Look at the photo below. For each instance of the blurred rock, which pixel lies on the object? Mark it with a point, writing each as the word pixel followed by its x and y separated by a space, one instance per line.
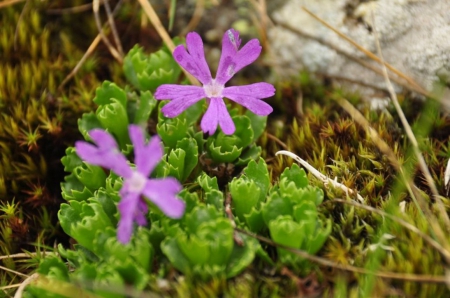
pixel 414 37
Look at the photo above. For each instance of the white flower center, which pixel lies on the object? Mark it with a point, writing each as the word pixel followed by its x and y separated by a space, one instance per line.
pixel 213 89
pixel 136 182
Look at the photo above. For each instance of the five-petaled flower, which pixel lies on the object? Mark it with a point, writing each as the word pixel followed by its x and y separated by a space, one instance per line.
pixel 162 192
pixel 231 61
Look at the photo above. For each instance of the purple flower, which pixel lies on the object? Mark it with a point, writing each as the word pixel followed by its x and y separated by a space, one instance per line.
pixel 162 192
pixel 231 61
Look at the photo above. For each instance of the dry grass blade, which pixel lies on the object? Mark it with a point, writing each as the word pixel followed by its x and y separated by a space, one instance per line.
pixel 411 136
pixel 13 271
pixel 112 24
pixel 74 9
pixel 156 22
pixel 26 255
pixel 366 52
pixel 325 262
pixel 112 50
pixel 319 175
pixel 10 2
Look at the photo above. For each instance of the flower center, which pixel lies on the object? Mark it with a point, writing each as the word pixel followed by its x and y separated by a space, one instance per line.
pixel 136 182
pixel 213 89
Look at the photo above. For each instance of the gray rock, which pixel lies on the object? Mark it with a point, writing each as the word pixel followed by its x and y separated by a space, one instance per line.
pixel 414 37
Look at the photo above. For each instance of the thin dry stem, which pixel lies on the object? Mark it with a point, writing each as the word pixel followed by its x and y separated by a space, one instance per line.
pixel 366 52
pixel 25 283
pixel 154 19
pixel 73 9
pixel 88 53
pixel 112 50
pixel 325 262
pixel 319 175
pixel 10 2
pixel 112 24
pixel 13 271
pixel 411 136
pixel 196 17
pixel 22 13
pixel 365 64
pixel 26 255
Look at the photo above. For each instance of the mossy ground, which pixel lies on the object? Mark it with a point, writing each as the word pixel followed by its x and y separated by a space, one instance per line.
pixel 38 121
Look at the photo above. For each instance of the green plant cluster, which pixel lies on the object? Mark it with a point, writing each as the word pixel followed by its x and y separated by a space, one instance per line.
pixel 203 244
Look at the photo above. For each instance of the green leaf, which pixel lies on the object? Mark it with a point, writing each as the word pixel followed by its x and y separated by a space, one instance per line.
pixel 251 153
pixel 215 198
pixel 109 93
pixel 224 153
pixel 114 119
pixel 254 220
pixel 172 130
pixel 146 104
pixel 295 174
pixel 54 268
pixel 315 242
pixel 147 72
pixel 242 256
pixel 71 160
pixel 285 231
pixel 176 257
pixel 258 173
pixel 245 195
pixel 258 124
pixel 195 249
pixel 207 183
pixel 93 177
pixel 175 161
pixel 88 122
pixel 244 130
pixel 73 189
pixel 189 146
pixel 275 206
pixel 199 215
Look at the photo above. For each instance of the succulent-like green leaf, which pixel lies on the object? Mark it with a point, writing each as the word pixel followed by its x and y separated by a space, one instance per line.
pixel 251 153
pixel 93 177
pixel 172 130
pixel 276 206
pixel 284 230
pixel 258 124
pixel 245 195
pixel 224 153
pixel 295 174
pixel 208 183
pixel 109 93
pixel 147 72
pixel 113 118
pixel 88 122
pixel 146 104
pixel 189 146
pixel 71 160
pixel 258 173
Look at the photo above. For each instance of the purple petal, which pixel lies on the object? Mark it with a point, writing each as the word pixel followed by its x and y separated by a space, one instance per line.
pixel 217 113
pixel 249 97
pixel 182 97
pixel 232 59
pixel 146 156
pixel 162 192
pixel 139 216
pixel 170 91
pixel 127 208
pixel 105 154
pixel 194 61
